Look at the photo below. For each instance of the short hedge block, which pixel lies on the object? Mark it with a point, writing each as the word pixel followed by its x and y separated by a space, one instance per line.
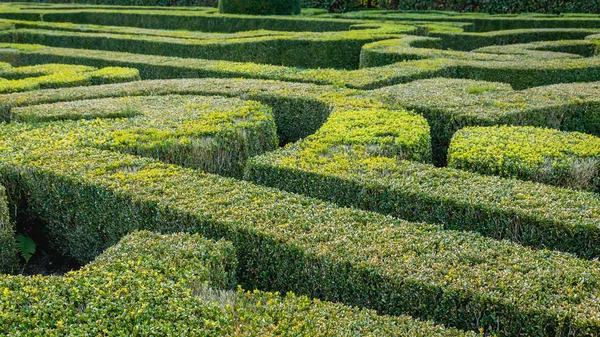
pixel 568 159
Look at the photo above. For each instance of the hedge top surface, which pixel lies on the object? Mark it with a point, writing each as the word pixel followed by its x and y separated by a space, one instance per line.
pixel 374 131
pixel 568 159
pixel 216 134
pixel 16 79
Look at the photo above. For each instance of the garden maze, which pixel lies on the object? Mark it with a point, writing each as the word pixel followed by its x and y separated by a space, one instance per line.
pixel 367 174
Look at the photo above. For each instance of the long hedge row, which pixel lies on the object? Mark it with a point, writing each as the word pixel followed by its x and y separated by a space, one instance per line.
pixel 521 75
pixel 178 284
pixel 182 20
pixel 291 242
pixel 391 51
pixel 60 75
pixel 331 50
pixel 569 159
pixel 215 135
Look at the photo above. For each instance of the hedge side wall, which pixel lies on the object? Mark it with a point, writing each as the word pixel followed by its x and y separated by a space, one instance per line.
pixel 8 253
pixel 260 7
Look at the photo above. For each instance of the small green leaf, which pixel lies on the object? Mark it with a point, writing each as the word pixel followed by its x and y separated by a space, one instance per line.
pixel 26 247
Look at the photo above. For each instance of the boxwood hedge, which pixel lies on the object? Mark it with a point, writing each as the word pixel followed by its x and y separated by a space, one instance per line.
pixel 212 134
pixel 520 75
pixel 569 107
pixel 8 251
pixel 569 159
pixel 178 284
pixel 291 242
pixel 60 75
pixel 179 19
pixel 418 48
pixel 260 7
pixel 327 50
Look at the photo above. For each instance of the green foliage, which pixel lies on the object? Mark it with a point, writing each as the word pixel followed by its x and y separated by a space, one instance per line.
pixel 212 3
pixel 212 134
pixel 61 75
pixel 260 7
pixel 286 241
pixel 179 284
pixel 569 107
pixel 8 247
pixel 26 247
pixel 569 159
pixel 327 50
pixel 96 163
pixel 191 20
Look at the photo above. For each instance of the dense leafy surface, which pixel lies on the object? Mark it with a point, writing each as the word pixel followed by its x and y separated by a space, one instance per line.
pixel 568 159
pixel 358 206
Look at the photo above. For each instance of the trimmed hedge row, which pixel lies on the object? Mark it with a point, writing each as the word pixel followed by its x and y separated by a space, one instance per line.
pixel 387 52
pixel 290 242
pixel 182 34
pixel 380 132
pixel 8 250
pixel 215 135
pixel 585 48
pixel 327 50
pixel 468 41
pixel 260 7
pixel 177 284
pixel 569 159
pixel 564 105
pixel 181 20
pixel 569 107
pixel 520 75
pixel 60 75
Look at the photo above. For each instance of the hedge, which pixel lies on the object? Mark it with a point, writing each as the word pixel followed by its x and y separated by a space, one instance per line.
pixel 178 284
pixel 585 48
pixel 327 50
pixel 520 75
pixel 215 135
pixel 181 20
pixel 535 215
pixel 259 7
pixel 493 46
pixel 8 253
pixel 569 159
pixel 60 75
pixel 494 6
pixel 569 107
pixel 210 3
pixel 387 52
pixel 291 242
pixel 480 22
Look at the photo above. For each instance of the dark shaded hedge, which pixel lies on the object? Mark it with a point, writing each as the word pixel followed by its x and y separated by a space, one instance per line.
pixel 260 7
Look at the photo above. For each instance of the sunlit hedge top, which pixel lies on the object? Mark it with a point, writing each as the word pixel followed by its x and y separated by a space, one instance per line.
pixel 568 159
pixel 60 75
